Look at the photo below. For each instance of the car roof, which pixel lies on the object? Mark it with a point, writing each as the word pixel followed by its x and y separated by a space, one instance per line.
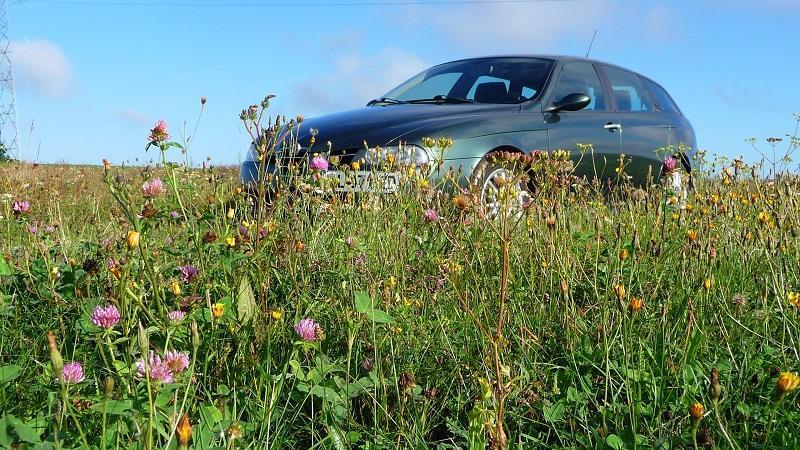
pixel 556 58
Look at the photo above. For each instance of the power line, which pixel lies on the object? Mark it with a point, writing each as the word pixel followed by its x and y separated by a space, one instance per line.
pixel 282 4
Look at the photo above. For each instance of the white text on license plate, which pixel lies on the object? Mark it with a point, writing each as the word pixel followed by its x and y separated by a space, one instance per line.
pixel 365 181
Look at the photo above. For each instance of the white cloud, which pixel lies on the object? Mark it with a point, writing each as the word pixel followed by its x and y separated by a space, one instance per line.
pixel 133 117
pixel 356 78
pixel 518 27
pixel 41 65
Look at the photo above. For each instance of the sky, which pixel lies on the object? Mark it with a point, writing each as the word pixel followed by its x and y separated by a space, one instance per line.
pixel 92 76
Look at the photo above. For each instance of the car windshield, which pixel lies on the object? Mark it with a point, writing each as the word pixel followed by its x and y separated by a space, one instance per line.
pixel 484 80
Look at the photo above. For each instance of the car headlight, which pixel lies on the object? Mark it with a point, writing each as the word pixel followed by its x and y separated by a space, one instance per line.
pixel 403 154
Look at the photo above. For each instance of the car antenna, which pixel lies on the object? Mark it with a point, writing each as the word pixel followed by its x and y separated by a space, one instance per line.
pixel 591 43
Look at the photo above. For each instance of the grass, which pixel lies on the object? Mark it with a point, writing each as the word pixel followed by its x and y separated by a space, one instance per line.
pixel 592 319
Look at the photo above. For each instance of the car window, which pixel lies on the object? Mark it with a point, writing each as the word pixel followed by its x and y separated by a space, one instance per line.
pixel 439 84
pixel 499 80
pixel 661 100
pixel 483 79
pixel 629 93
pixel 581 78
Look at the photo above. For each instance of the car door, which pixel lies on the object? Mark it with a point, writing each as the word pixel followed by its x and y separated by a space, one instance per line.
pixel 595 124
pixel 645 130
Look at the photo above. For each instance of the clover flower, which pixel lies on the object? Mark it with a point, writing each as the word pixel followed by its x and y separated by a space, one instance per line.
pixel 21 207
pixel 159 371
pixel 430 215
pixel 176 361
pixel 105 317
pixel 176 315
pixel 307 329
pixel 153 188
pixel 670 164
pixel 319 163
pixel 159 132
pixel 188 273
pixel 72 373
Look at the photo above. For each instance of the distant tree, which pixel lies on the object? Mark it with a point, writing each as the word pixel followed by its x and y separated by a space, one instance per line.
pixel 4 152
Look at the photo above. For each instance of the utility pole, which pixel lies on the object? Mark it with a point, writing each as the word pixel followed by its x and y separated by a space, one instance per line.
pixel 9 135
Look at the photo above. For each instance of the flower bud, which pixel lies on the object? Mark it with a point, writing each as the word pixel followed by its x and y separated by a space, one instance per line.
pixel 55 355
pixel 184 432
pixel 697 411
pixel 195 337
pixel 714 389
pixel 133 239
pixel 143 340
pixel 108 386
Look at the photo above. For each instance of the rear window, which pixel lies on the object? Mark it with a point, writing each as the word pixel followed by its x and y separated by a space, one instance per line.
pixel 659 97
pixel 628 92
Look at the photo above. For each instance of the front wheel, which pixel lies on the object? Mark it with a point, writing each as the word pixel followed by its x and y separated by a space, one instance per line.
pixel 502 183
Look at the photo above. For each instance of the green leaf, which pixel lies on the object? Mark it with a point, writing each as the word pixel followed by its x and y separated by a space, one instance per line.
pixel 615 442
pixel 554 412
pixel 5 269
pixel 211 414
pixel 363 303
pixel 246 301
pixel 9 373
pixel 378 316
pixel 26 432
pixel 114 407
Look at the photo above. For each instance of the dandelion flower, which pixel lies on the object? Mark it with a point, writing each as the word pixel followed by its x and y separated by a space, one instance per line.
pixel 218 310
pixel 105 317
pixel 636 304
pixel 794 299
pixel 184 428
pixel 697 411
pixel 619 291
pixel 72 373
pixel 133 239
pixel 787 382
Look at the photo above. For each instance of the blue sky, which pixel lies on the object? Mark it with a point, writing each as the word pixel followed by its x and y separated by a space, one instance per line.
pixel 93 75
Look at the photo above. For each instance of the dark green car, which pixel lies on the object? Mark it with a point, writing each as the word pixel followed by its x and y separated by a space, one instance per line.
pixel 507 103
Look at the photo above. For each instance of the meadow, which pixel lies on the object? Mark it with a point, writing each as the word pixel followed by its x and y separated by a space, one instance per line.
pixel 164 307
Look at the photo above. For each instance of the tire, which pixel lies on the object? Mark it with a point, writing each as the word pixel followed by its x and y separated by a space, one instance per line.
pixel 489 176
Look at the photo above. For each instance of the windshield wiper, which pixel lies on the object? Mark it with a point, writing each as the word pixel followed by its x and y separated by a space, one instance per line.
pixel 387 100
pixel 442 99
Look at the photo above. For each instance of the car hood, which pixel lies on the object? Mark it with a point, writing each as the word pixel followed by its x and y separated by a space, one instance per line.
pixel 382 125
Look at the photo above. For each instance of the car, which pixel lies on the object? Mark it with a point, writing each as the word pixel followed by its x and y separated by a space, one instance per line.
pixel 506 104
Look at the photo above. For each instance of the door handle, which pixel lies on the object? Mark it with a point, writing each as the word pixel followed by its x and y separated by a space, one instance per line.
pixel 612 127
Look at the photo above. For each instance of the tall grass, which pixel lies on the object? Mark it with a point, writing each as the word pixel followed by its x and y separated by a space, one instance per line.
pixel 589 319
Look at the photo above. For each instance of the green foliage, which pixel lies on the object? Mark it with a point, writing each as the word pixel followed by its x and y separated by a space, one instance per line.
pixel 405 311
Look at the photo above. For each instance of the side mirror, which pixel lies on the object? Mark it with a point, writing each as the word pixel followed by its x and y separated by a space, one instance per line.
pixel 572 102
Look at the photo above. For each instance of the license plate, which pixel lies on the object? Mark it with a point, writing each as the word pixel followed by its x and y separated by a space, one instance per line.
pixel 365 181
